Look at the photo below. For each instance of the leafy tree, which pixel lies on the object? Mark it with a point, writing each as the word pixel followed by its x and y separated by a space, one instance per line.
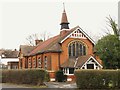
pixel 108 47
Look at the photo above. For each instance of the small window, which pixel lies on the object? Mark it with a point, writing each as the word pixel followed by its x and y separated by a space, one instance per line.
pixel 71 70
pixel 90 66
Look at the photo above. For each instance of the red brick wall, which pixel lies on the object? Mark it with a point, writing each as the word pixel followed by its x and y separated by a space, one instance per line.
pixel 55 61
pixel 64 55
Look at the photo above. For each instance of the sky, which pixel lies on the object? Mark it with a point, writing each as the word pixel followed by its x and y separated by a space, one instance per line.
pixel 21 18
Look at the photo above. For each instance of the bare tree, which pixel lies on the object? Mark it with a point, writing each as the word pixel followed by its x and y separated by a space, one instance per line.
pixel 31 38
pixel 113 25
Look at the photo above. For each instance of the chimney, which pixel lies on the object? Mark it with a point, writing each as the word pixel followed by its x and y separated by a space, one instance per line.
pixel 38 41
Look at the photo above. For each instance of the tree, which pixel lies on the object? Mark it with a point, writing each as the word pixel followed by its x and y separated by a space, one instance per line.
pixel 113 25
pixel 108 47
pixel 31 38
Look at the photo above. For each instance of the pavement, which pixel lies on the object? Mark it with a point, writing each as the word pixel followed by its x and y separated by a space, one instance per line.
pixel 7 85
pixel 50 85
pixel 60 85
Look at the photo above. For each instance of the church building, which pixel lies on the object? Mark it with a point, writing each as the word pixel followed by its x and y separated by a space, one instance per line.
pixel 71 49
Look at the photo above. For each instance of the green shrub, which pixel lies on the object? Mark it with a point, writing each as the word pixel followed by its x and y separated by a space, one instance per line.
pixel 119 78
pixel 97 79
pixel 59 76
pixel 47 77
pixel 33 76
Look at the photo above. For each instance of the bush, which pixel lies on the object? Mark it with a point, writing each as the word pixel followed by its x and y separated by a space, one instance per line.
pixel 97 79
pixel 59 76
pixel 47 77
pixel 33 76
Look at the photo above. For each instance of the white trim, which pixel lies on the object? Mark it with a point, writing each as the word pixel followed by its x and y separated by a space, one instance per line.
pixel 76 62
pixel 52 79
pixel 69 79
pixel 81 31
pixel 94 60
pixel 66 71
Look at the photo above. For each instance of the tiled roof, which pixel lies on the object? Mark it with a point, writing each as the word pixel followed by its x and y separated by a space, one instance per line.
pixel 25 49
pixel 52 44
pixel 64 17
pixel 78 62
pixel 81 60
pixel 69 63
pixel 9 53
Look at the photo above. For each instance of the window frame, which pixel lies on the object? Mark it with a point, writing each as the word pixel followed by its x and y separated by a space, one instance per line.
pixel 76 49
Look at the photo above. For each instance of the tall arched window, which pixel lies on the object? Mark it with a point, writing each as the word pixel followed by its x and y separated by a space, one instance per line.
pixel 76 49
pixel 39 63
pixel 45 62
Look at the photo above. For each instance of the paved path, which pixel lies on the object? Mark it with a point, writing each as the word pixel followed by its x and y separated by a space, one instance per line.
pixel 50 85
pixel 5 85
pixel 60 85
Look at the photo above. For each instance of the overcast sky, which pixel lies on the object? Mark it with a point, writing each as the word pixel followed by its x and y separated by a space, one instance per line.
pixel 21 18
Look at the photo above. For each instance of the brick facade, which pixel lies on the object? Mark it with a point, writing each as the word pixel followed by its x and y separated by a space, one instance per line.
pixel 53 53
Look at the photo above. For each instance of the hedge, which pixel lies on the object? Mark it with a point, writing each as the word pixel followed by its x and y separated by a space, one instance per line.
pixel 60 77
pixel 97 79
pixel 32 76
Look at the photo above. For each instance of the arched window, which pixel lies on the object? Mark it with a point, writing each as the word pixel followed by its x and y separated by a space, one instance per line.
pixel 30 63
pixel 34 63
pixel 39 63
pixel 76 49
pixel 45 62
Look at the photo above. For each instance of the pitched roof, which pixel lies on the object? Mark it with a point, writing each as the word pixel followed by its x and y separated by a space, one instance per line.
pixel 26 49
pixel 81 60
pixel 9 53
pixel 86 35
pixel 69 63
pixel 52 44
pixel 78 62
pixel 64 17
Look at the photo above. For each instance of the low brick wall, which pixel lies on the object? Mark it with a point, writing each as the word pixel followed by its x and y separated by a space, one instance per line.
pixel 52 75
pixel 71 78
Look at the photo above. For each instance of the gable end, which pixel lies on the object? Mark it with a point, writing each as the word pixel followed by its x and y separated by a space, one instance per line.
pixel 78 33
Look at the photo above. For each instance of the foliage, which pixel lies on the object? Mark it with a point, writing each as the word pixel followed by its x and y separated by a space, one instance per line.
pixel 108 48
pixel 59 76
pixel 33 76
pixel 47 77
pixel 114 26
pixel 97 79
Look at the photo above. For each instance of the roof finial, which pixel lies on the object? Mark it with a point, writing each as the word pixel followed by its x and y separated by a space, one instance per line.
pixel 63 6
